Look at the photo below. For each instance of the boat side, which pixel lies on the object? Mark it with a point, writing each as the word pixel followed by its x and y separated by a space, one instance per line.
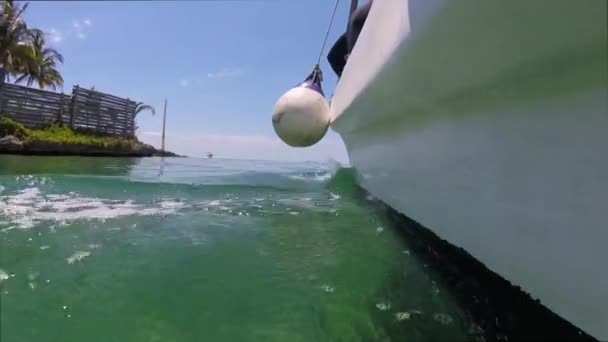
pixel 486 122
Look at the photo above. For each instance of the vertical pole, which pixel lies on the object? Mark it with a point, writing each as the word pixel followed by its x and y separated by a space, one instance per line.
pixel 162 146
pixel 73 106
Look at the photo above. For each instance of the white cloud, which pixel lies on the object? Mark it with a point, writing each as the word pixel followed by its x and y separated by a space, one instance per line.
pixel 55 36
pixel 226 73
pixel 80 28
pixel 242 146
pixel 184 83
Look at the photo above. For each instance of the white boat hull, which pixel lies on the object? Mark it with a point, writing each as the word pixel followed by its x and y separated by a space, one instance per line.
pixel 487 122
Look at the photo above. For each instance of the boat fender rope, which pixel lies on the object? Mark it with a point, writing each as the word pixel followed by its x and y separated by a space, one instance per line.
pixel 333 15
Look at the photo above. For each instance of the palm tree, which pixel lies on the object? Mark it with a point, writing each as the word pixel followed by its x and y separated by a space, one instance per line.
pixel 15 52
pixel 140 107
pixel 42 69
pixel 23 51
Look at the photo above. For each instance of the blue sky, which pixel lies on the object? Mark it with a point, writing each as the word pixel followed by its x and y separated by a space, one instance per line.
pixel 221 65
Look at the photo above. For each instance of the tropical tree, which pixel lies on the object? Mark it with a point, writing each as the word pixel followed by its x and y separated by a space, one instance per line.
pixel 24 54
pixel 140 107
pixel 42 69
pixel 15 52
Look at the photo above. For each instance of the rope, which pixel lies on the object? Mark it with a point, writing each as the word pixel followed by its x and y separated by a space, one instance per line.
pixel 327 33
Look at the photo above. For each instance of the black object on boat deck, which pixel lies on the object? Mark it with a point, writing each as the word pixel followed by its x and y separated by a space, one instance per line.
pixel 338 54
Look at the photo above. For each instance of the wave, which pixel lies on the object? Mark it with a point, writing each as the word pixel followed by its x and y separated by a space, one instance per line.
pixel 26 201
pixel 311 179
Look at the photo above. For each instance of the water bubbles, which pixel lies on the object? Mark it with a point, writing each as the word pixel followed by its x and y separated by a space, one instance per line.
pixel 3 275
pixel 79 255
pixel 401 316
pixel 65 308
pixel 383 306
pixel 32 276
pixel 327 288
pixel 214 203
pixel 442 318
pixel 333 197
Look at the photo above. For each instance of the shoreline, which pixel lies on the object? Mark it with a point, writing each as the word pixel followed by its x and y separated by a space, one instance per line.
pixel 10 145
pixel 88 154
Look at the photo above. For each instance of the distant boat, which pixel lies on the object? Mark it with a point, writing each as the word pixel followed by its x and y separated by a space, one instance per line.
pixel 486 124
pixel 209 155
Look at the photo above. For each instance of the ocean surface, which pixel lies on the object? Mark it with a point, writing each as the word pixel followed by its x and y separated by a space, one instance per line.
pixel 104 249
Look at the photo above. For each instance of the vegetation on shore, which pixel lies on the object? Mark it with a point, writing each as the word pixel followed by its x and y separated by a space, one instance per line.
pixel 60 134
pixel 60 139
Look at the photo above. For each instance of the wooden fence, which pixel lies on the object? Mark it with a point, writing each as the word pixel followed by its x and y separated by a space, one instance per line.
pixel 84 109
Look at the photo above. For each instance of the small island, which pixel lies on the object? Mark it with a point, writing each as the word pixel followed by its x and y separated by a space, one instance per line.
pixel 59 139
pixel 44 122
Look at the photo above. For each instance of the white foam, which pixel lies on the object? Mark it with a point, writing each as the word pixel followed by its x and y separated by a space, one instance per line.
pixel 172 204
pixel 3 275
pixel 79 255
pixel 28 207
pixel 25 196
pixel 304 203
pixel 323 177
pixel 383 306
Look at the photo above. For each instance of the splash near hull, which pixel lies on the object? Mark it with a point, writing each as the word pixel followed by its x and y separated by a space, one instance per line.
pixel 485 121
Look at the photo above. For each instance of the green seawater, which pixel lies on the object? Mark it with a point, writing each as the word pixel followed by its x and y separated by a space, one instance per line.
pixel 104 249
